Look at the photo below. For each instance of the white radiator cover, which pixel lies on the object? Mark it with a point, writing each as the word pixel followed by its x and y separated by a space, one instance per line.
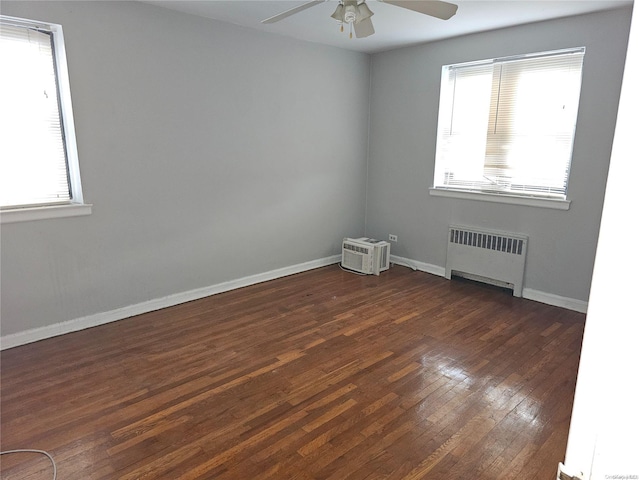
pixel 490 256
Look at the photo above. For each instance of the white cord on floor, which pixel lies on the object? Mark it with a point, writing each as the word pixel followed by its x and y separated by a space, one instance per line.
pixel 351 271
pixel 405 264
pixel 29 450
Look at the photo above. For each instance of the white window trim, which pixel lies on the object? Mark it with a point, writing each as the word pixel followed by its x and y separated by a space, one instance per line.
pixel 509 197
pixel 76 206
pixel 27 214
pixel 556 204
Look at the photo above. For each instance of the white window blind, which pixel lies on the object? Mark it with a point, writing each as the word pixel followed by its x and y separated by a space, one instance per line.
pixel 33 159
pixel 507 125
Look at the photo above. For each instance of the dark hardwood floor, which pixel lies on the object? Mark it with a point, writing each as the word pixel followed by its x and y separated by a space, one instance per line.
pixel 320 375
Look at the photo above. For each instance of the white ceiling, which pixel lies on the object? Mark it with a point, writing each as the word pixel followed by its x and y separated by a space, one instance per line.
pixel 395 27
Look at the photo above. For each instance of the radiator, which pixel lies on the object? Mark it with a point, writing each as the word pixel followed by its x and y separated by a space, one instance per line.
pixel 488 256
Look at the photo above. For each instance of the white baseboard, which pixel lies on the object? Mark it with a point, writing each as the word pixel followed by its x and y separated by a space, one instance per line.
pixel 423 267
pixel 555 300
pixel 33 335
pixel 528 293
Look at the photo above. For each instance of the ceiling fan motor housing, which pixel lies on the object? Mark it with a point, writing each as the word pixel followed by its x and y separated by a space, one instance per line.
pixel 350 12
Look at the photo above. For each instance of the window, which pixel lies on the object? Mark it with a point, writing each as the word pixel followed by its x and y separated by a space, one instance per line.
pixel 38 163
pixel 506 125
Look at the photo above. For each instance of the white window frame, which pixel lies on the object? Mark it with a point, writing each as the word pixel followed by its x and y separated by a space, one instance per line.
pixel 76 206
pixel 508 197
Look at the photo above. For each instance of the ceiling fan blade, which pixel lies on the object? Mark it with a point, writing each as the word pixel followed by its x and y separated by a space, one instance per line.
pixel 438 9
pixel 292 11
pixel 364 28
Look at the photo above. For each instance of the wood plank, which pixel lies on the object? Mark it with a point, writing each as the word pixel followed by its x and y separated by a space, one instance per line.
pixel 320 375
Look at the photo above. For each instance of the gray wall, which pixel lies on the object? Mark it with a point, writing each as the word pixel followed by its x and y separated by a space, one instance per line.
pixel 210 153
pixel 404 108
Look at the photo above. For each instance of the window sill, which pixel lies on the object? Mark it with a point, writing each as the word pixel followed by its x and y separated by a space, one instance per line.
pixel 556 204
pixel 28 214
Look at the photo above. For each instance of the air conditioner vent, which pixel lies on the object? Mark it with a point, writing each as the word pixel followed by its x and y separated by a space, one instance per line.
pixel 355 248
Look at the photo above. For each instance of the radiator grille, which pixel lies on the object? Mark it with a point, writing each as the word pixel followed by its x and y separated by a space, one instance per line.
pixel 501 243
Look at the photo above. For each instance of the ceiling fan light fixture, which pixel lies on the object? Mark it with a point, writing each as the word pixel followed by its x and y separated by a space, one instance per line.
pixel 349 11
pixel 357 15
pixel 339 13
pixel 363 12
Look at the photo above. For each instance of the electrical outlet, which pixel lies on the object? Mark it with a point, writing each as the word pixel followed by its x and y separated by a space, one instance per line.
pixel 393 238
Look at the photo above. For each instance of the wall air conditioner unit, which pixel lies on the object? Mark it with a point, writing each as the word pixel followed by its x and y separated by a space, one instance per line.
pixel 365 255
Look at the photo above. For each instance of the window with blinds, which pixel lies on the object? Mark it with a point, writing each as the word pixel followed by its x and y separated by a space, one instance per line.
pixel 507 125
pixel 35 166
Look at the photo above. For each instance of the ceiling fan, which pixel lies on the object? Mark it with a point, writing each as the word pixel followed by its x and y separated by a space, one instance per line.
pixel 357 15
